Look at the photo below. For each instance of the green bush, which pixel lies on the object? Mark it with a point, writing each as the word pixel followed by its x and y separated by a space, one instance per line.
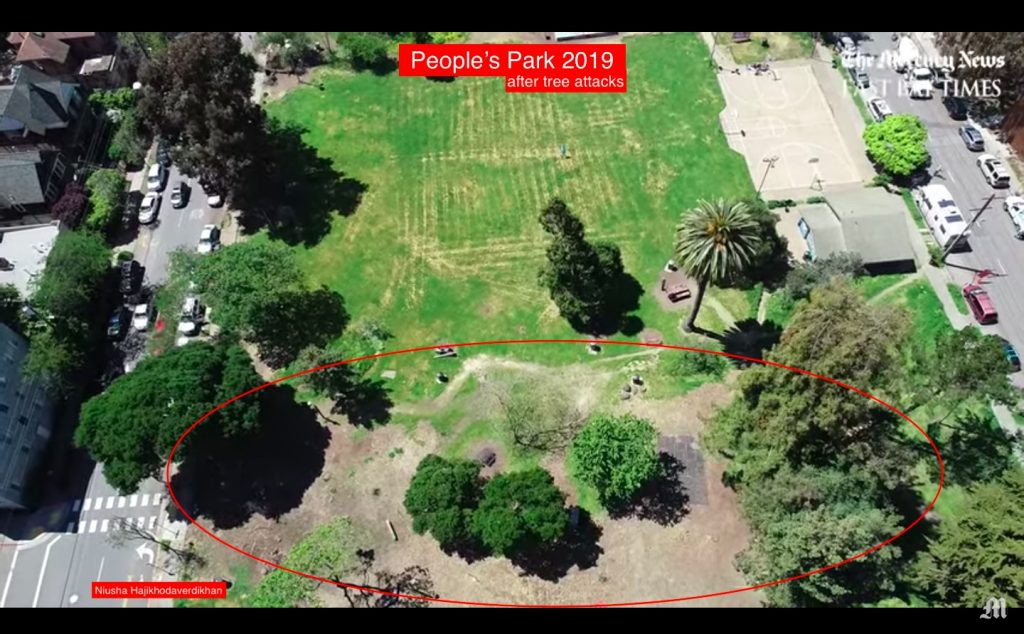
pixel 896 144
pixel 881 180
pixel 367 50
pixel 125 256
pixel 106 196
pixel 129 143
pixel 935 254
pixel 776 204
pixel 816 200
pixel 682 363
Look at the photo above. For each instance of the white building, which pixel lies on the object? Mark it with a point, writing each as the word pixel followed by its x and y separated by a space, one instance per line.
pixel 23 253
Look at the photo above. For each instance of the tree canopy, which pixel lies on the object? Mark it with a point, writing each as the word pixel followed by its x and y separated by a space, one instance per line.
pixel 367 50
pixel 617 455
pixel 441 498
pixel 71 206
pixel 66 297
pixel 197 97
pixel 979 553
pixel 896 143
pixel 587 282
pixel 520 511
pixel 132 426
pixel 807 276
pixel 715 243
pixel 329 551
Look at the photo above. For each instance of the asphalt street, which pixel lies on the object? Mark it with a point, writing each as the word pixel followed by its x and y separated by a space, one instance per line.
pixel 992 242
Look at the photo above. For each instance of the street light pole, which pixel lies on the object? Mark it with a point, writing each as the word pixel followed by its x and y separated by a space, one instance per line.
pixel 967 228
pixel 769 163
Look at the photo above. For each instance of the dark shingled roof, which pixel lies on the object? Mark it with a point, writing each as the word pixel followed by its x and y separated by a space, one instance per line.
pixel 19 179
pixel 36 100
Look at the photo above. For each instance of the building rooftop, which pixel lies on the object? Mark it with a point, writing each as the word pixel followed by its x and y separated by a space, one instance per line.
pixel 26 249
pixel 36 100
pixel 870 222
pixel 100 64
pixel 19 179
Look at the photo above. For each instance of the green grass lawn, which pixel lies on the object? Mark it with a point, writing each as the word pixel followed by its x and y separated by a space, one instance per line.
pixel 876 284
pixel 958 298
pixel 781 45
pixel 915 213
pixel 446 245
pixel 929 319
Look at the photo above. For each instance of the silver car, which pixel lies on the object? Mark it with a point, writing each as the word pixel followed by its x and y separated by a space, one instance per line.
pixel 972 138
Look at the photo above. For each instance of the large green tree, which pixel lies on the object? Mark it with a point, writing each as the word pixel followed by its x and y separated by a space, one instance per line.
pixel 990 46
pixel 131 427
pixel 585 280
pixel 441 498
pixel 714 243
pixel 366 50
pixel 966 365
pixel 329 551
pixel 10 307
pixel 291 49
pixel 617 455
pixel 65 301
pixel 979 553
pixel 807 276
pixel 897 144
pixel 520 511
pixel 197 97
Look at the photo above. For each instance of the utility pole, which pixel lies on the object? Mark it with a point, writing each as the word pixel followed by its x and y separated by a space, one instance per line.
pixel 967 228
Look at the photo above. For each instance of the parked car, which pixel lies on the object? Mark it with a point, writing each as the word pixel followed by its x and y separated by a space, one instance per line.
pixel 180 195
pixel 191 317
pixel 1014 208
pixel 920 79
pixel 156 178
pixel 860 77
pixel 994 171
pixel 209 239
pixel 1011 354
pixel 972 138
pixel 214 200
pixel 149 208
pixel 117 324
pixel 141 316
pixel 980 304
pixel 131 277
pixel 942 77
pixel 879 109
pixel 846 43
pixel 956 107
pixel 163 156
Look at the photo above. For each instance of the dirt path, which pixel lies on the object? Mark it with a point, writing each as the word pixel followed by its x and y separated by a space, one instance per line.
pixel 910 279
pixel 762 309
pixel 723 312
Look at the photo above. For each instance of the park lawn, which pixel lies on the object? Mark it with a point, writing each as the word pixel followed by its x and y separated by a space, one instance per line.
pixel 874 285
pixel 781 45
pixel 446 246
pixel 929 319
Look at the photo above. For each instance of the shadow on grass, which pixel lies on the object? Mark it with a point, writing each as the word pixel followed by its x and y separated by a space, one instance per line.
pixel 297 192
pixel 663 500
pixel 974 448
pixel 579 548
pixel 750 339
pixel 227 481
pixel 366 403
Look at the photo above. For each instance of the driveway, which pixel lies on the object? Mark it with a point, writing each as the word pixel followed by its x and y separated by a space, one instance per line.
pixel 992 243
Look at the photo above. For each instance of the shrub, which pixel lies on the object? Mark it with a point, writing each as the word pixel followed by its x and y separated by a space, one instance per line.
pixel 680 363
pixel 106 196
pixel 125 256
pixel 935 254
pixel 71 206
pixel 816 200
pixel 776 204
pixel 881 180
pixel 808 275
pixel 366 50
pixel 896 144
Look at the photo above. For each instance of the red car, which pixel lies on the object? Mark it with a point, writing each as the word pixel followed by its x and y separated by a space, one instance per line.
pixel 981 304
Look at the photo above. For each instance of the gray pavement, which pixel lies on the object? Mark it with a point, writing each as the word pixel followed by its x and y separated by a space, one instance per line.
pixel 174 228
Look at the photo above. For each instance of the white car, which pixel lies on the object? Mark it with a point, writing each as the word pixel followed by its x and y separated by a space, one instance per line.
pixel 920 83
pixel 149 208
pixel 214 200
pixel 156 178
pixel 1014 208
pixel 209 239
pixel 141 315
pixel 879 109
pixel 191 317
pixel 994 171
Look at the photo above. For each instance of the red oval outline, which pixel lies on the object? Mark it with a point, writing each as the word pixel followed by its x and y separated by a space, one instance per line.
pixel 942 476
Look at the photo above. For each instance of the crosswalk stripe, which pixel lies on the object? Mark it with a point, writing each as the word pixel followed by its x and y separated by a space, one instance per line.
pixel 88 504
pixel 121 501
pixel 145 499
pixel 152 522
pixel 140 522
pixel 77 505
pixel 134 501
pixel 156 499
pixel 92 526
pixel 110 502
pixel 103 526
pixel 81 527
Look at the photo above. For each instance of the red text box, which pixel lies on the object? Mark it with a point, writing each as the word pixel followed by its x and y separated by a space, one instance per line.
pixel 159 590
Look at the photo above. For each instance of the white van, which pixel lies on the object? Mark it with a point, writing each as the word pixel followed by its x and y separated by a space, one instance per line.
pixel 156 178
pixel 942 216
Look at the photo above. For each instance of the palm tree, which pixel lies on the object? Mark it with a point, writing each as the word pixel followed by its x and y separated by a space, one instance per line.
pixel 714 242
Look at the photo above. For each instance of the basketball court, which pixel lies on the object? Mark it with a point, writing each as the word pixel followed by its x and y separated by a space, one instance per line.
pixel 783 126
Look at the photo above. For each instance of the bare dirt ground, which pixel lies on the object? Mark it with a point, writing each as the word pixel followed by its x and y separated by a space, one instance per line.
pixel 366 474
